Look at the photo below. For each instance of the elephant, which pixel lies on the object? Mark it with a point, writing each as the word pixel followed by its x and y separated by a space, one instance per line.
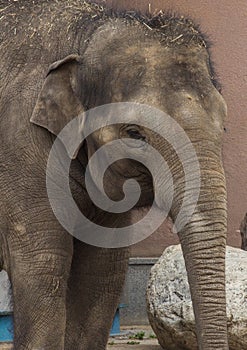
pixel 243 232
pixel 59 60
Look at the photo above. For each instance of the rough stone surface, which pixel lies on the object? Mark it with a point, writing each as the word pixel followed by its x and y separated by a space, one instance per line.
pixel 5 294
pixel 169 302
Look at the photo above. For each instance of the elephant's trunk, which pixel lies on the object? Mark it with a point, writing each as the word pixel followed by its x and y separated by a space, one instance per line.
pixel 203 241
pixel 203 244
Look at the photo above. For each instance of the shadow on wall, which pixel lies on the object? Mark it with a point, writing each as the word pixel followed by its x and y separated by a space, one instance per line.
pixel 154 245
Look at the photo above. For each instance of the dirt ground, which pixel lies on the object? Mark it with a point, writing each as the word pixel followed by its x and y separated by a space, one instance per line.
pixel 129 339
pixel 144 345
pixel 136 338
pixel 5 346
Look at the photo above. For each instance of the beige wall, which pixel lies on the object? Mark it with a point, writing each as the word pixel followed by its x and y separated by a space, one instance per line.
pixel 225 22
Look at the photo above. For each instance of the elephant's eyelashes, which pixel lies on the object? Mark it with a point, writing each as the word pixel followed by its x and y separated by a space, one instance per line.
pixel 132 136
pixel 135 134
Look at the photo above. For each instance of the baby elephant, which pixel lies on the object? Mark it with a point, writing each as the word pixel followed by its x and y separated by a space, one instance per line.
pixel 61 61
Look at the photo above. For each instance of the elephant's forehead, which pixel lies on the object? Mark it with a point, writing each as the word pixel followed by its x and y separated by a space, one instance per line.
pixel 167 71
pixel 165 61
pixel 116 39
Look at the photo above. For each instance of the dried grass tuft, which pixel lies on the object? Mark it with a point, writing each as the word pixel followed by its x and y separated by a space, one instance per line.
pixel 175 30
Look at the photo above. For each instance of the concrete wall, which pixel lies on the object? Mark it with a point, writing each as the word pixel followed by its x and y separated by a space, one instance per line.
pixel 134 295
pixel 225 22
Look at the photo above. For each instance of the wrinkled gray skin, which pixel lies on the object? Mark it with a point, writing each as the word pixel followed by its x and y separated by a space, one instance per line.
pixel 243 232
pixel 66 292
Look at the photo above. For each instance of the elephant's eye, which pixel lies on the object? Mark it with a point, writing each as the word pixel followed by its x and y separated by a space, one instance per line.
pixel 135 134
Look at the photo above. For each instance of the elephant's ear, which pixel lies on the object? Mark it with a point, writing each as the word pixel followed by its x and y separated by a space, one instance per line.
pixel 58 103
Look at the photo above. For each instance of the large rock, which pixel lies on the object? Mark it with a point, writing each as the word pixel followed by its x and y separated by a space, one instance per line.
pixel 6 305
pixel 169 302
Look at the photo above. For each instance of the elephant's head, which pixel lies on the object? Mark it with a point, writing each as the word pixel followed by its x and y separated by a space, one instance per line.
pixel 128 62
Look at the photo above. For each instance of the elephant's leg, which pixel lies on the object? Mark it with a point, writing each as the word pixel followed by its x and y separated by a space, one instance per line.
pixel 95 285
pixel 39 270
